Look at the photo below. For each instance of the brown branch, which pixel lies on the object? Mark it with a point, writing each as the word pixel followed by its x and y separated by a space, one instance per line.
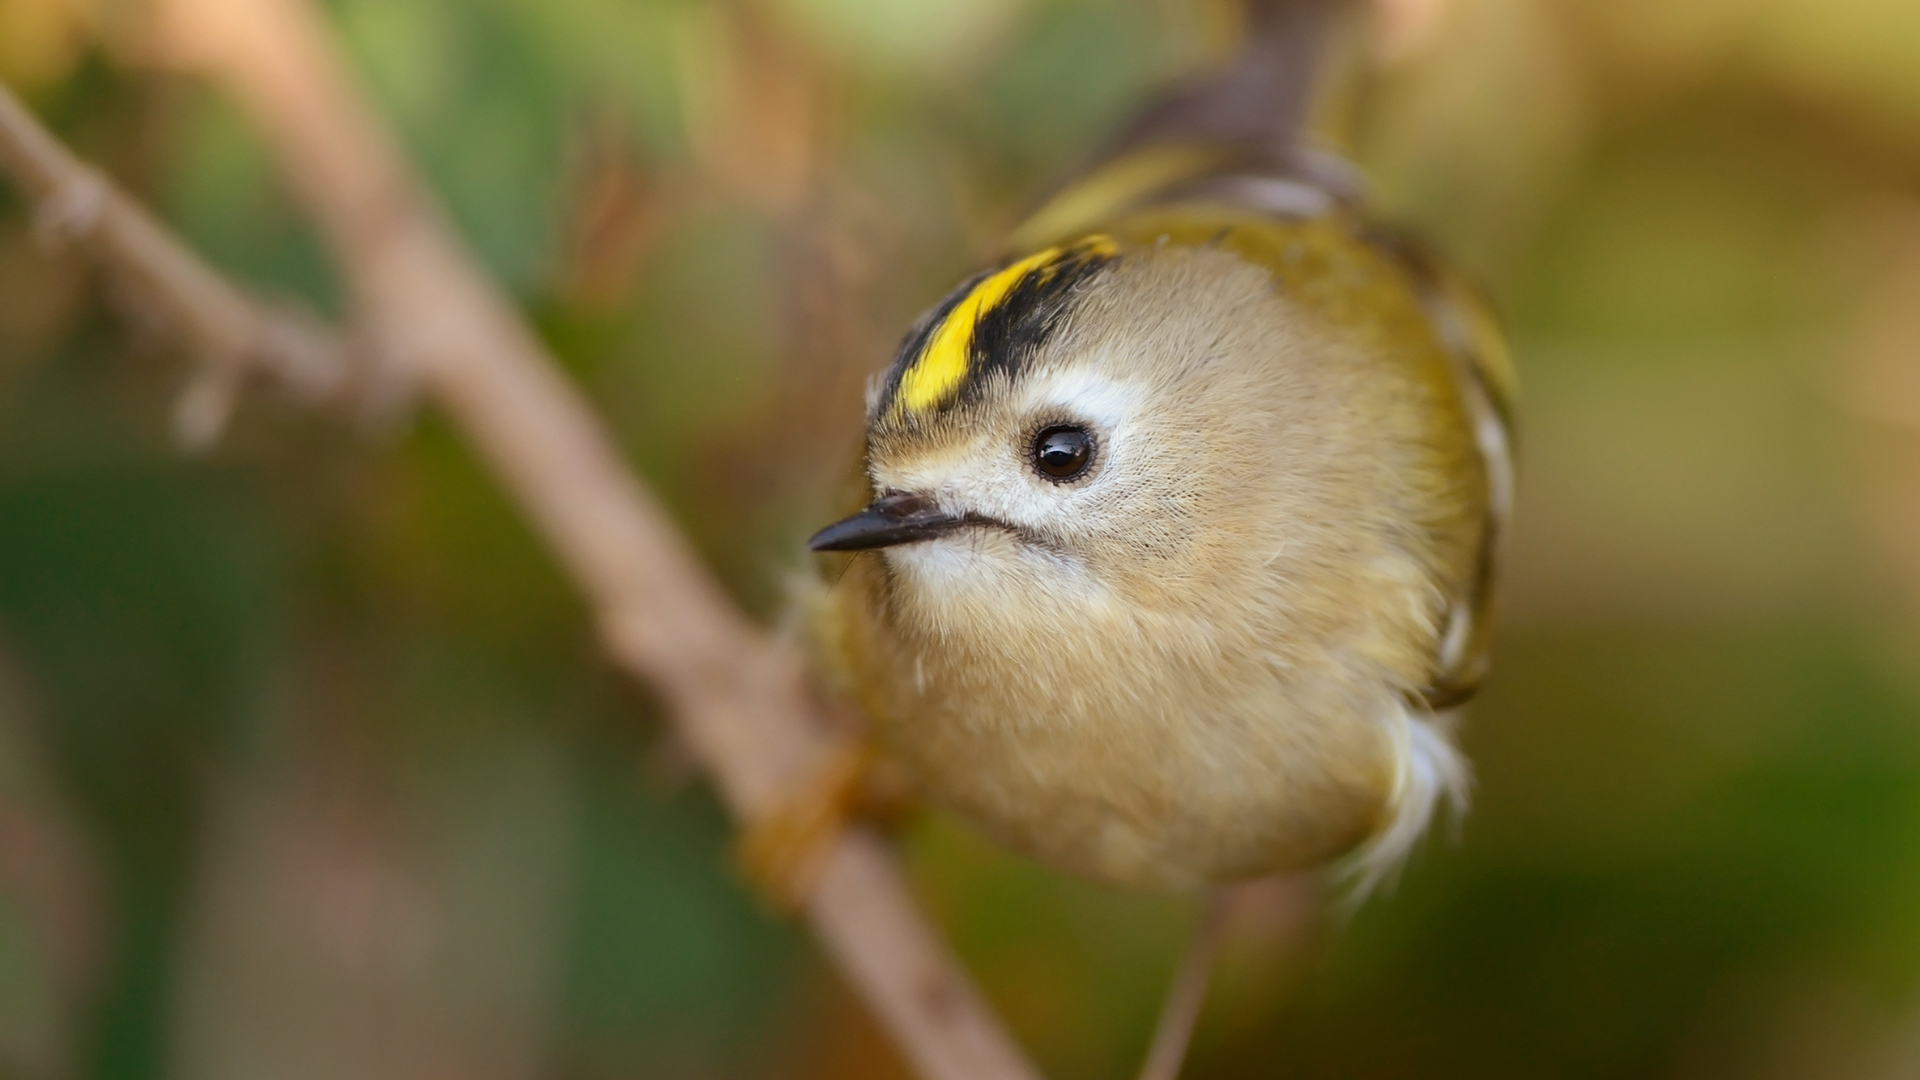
pixel 231 334
pixel 1181 1011
pixel 740 699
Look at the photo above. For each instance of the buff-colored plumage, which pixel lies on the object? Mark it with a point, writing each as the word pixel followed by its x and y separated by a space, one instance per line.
pixel 1225 649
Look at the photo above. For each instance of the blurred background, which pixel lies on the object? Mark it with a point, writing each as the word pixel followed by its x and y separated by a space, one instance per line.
pixel 309 766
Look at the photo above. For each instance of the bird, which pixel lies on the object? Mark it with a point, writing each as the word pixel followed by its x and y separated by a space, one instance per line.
pixel 1173 562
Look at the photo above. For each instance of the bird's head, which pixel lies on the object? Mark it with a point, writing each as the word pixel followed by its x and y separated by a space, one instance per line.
pixel 1089 419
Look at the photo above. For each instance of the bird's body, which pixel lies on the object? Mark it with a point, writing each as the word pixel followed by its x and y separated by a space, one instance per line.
pixel 1179 538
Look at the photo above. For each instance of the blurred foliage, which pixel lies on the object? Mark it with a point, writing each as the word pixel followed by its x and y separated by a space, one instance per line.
pixel 308 765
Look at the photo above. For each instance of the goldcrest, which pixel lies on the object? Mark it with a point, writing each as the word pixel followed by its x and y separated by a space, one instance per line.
pixel 1178 550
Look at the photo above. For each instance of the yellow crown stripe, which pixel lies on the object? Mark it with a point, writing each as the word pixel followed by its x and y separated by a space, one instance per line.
pixel 942 366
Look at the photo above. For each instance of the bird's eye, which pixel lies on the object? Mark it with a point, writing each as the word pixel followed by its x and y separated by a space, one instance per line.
pixel 1062 453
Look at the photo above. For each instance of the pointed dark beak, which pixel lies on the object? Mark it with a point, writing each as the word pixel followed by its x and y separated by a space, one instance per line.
pixel 896 518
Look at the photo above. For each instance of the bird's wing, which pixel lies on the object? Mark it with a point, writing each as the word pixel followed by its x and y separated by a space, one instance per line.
pixel 1464 324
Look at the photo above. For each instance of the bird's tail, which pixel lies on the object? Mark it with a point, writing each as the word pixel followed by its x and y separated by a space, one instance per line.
pixel 1250 116
pixel 1263 100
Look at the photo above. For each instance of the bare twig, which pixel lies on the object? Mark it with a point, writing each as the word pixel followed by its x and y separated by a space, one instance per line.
pixel 740 699
pixel 231 334
pixel 1189 990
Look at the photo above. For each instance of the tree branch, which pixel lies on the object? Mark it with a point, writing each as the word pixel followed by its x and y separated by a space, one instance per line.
pixel 740 699
pixel 231 335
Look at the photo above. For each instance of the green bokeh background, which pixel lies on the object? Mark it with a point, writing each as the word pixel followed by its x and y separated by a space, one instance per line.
pixel 309 766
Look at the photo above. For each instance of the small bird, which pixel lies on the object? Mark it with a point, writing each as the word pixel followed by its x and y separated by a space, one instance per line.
pixel 1180 526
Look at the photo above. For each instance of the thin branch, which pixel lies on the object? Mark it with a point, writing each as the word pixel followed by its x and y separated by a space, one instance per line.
pixel 232 335
pixel 740 699
pixel 1189 990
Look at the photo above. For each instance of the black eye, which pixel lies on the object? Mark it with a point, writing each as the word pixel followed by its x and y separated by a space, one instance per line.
pixel 1062 453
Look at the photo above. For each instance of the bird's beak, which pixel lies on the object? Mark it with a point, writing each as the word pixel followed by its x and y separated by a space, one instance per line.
pixel 894 518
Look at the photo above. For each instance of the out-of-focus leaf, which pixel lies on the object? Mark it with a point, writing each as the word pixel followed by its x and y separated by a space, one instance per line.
pixel 907 35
